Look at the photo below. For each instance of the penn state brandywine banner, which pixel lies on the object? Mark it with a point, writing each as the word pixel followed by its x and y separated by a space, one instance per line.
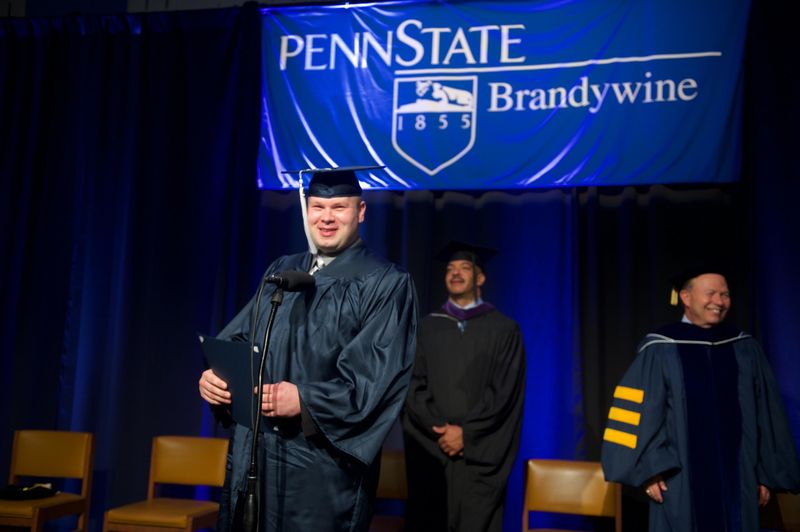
pixel 505 94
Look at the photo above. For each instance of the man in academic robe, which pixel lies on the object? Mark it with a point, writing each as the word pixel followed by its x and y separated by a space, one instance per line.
pixel 463 415
pixel 697 421
pixel 338 366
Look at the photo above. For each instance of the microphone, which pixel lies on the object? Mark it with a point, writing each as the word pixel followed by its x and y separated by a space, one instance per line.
pixel 248 505
pixel 292 281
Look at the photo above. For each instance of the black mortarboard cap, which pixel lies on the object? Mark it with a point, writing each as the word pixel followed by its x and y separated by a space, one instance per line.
pixel 334 182
pixel 679 280
pixel 457 250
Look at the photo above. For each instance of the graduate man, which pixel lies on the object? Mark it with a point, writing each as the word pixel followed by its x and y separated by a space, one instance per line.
pixel 697 421
pixel 340 359
pixel 463 414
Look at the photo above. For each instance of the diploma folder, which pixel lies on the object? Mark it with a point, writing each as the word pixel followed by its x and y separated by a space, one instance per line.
pixel 231 362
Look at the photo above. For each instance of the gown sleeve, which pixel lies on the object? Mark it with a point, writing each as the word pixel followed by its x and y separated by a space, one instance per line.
pixel 420 408
pixel 778 467
pixel 636 444
pixel 356 409
pixel 491 429
pixel 238 329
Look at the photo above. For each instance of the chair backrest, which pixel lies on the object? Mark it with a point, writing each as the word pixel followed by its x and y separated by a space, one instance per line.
pixel 392 480
pixel 187 460
pixel 570 487
pixel 52 454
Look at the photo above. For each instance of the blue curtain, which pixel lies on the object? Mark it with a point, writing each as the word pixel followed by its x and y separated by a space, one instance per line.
pixel 771 141
pixel 127 150
pixel 130 221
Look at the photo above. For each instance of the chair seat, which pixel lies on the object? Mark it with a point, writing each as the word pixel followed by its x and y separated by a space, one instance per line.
pixel 161 512
pixel 552 530
pixel 26 508
pixel 387 523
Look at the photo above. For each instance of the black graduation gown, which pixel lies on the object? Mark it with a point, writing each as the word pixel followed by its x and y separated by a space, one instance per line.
pixel 473 378
pixel 348 345
pixel 701 408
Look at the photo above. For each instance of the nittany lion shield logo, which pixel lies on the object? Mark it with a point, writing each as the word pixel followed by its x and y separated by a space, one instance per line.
pixel 434 120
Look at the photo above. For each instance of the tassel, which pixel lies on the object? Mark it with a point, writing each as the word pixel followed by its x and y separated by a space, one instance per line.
pixel 304 211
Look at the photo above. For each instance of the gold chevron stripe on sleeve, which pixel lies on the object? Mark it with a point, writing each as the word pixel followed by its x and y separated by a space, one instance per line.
pixel 625 416
pixel 622 438
pixel 629 394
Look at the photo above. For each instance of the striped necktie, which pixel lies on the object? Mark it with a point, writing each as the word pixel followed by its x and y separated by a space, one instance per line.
pixel 316 265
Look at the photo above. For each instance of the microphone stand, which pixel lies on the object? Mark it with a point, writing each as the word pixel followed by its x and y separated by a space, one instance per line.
pixel 248 505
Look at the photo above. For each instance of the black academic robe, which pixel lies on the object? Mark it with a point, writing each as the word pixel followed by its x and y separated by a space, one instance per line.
pixel 701 408
pixel 471 374
pixel 348 345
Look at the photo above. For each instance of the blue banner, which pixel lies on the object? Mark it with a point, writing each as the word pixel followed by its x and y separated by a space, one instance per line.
pixel 505 94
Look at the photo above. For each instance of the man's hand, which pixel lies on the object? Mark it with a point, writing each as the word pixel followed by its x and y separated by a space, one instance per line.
pixel 280 400
pixel 213 389
pixel 763 495
pixel 451 441
pixel 656 488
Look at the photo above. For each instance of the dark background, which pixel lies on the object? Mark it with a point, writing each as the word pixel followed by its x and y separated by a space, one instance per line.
pixel 130 220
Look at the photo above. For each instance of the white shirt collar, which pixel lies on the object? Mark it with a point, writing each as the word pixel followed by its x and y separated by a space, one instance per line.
pixel 468 306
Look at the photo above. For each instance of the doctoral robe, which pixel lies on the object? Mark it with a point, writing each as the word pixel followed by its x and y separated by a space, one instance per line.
pixel 701 408
pixel 468 372
pixel 348 345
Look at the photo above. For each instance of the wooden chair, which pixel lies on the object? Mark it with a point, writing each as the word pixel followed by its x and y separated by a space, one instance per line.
pixel 392 485
pixel 570 487
pixel 782 513
pixel 50 454
pixel 184 460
